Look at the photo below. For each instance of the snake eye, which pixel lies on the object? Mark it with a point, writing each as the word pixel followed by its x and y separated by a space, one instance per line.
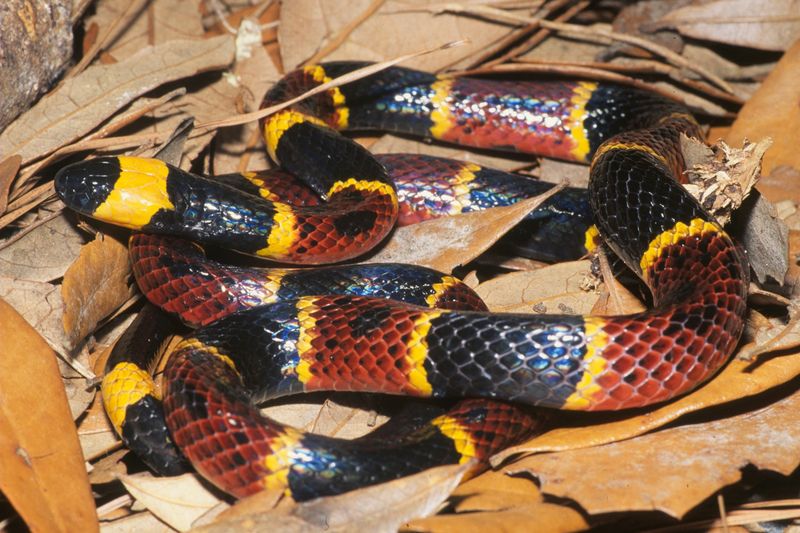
pixel 85 185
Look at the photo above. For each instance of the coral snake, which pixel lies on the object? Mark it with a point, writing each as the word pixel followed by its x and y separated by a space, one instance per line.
pixel 346 340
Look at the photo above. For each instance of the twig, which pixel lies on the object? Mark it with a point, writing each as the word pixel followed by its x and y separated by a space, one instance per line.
pixel 345 32
pixel 540 35
pixel 221 16
pixel 29 228
pixel 642 66
pixel 570 70
pixel 722 514
pixel 33 198
pixel 582 31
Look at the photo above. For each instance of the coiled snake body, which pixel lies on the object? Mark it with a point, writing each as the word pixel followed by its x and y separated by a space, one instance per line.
pixel 349 341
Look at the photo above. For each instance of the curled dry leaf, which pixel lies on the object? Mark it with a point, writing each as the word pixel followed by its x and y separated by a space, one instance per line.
pixel 675 469
pixel 445 243
pixel 555 289
pixel 178 501
pixel 739 379
pixel 81 103
pixel 44 476
pixel 773 26
pixel 379 508
pixel 773 112
pixel 94 286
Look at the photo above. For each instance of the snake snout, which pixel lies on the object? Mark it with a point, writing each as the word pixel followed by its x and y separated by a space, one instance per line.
pixel 83 186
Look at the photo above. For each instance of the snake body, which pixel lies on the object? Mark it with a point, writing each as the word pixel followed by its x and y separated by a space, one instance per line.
pixel 696 273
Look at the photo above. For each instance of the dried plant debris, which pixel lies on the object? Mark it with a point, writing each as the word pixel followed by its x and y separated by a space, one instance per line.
pixel 180 79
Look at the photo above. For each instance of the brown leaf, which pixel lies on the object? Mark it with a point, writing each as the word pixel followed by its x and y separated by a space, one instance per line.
pixel 394 30
pixel 445 243
pixel 773 26
pixel 94 286
pixel 379 508
pixel 44 253
pixel 781 184
pixel 773 112
pixel 675 469
pixel 81 103
pixel 495 490
pixel 739 379
pixel 541 517
pixel 555 289
pixel 44 476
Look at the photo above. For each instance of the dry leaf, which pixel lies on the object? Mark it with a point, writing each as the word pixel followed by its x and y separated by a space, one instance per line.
pixel 765 237
pixel 773 26
pixel 781 184
pixel 397 28
pixel 108 468
pixel 152 26
pixel 95 285
pixel 773 112
pixel 178 501
pixel 555 289
pixel 675 469
pixel 542 518
pixel 379 508
pixel 445 243
pixel 81 103
pixel 44 253
pixel 136 523
pixel 331 418
pixel 41 305
pixel 616 299
pixel 495 490
pixel 44 476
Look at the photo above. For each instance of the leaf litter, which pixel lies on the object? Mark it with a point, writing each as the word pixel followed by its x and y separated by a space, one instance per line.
pixel 139 55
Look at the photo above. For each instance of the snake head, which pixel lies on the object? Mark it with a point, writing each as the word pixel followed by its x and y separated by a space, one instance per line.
pixel 83 186
pixel 126 191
